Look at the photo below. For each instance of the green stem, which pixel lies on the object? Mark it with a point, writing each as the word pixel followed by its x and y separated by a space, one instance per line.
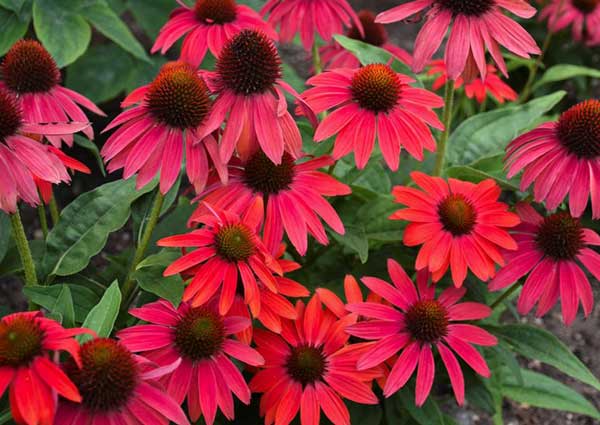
pixel 54 211
pixel 505 295
pixel 43 220
pixel 483 105
pixel 130 286
pixel 24 252
pixel 448 109
pixel 316 56
pixel 5 417
pixel 526 93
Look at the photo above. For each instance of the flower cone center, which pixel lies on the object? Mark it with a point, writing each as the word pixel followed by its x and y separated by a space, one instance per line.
pixel 216 11
pixel 108 375
pixel 200 334
pixel 586 6
pixel 249 63
pixel 29 68
pixel 10 115
pixel 178 97
pixel 20 342
pixel 579 129
pixel 264 176
pixel 235 242
pixel 375 33
pixel 457 214
pixel 427 321
pixel 306 364
pixel 376 87
pixel 560 236
pixel 467 7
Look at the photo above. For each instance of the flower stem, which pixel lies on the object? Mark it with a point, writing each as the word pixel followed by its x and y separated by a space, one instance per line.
pixel 54 212
pixel 130 286
pixel 526 93
pixel 43 220
pixel 505 295
pixel 316 57
pixel 448 108
pixel 24 252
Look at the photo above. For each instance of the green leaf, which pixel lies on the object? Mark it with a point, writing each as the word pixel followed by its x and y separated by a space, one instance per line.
pixel 12 28
pixel 356 240
pixel 485 168
pixel 542 391
pixel 151 16
pixel 64 33
pixel 102 317
pixel 539 344
pixel 102 17
pixel 149 275
pixel 292 78
pixel 565 72
pixel 365 414
pixel 488 134
pixel 428 414
pixel 5 231
pixel 84 299
pixel 90 146
pixel 60 303
pixel 14 5
pixel 85 224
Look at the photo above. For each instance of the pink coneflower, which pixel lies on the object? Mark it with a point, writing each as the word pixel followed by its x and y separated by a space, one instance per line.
pixel 23 159
pixel 31 75
pixel 27 341
pixel 374 102
pixel 209 24
pixel 117 388
pixel 562 158
pixel 308 368
pixel 170 114
pixel 227 245
pixel 250 94
pixel 477 26
pixel 479 88
pixel 551 249
pixel 415 323
pixel 461 225
pixel 200 339
pixel 582 15
pixel 335 56
pixel 309 17
pixel 352 293
pixel 293 194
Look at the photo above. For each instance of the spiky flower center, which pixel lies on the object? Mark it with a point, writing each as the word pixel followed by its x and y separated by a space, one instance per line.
pixel 263 176
pixel 20 341
pixel 10 115
pixel 306 364
pixel 467 7
pixel 199 334
pixel 457 214
pixel 376 87
pixel 585 6
pixel 560 236
pixel 579 129
pixel 249 63
pixel 235 242
pixel 29 68
pixel 178 97
pixel 216 11
pixel 108 375
pixel 375 33
pixel 427 321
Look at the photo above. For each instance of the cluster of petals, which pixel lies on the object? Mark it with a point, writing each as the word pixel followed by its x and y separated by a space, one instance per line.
pixel 582 16
pixel 370 103
pixel 461 225
pixel 308 18
pixel 310 367
pixel 550 254
pixel 292 193
pixel 477 89
pixel 413 324
pixel 205 376
pixel 475 27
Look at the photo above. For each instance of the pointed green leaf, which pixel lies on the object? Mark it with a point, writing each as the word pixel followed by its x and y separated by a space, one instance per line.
pixel 102 317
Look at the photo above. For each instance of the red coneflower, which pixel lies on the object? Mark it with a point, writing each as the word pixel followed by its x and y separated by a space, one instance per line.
pixel 461 225
pixel 374 102
pixel 293 194
pixel 308 17
pixel 27 341
pixel 582 15
pixel 227 245
pixel 31 75
pixel 170 114
pixel 309 368
pixel 335 56
pixel 477 26
pixel 200 338
pixel 209 24
pixel 117 388
pixel 250 94
pixel 562 158
pixel 551 250
pixel 415 323
pixel 23 159
pixel 479 88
